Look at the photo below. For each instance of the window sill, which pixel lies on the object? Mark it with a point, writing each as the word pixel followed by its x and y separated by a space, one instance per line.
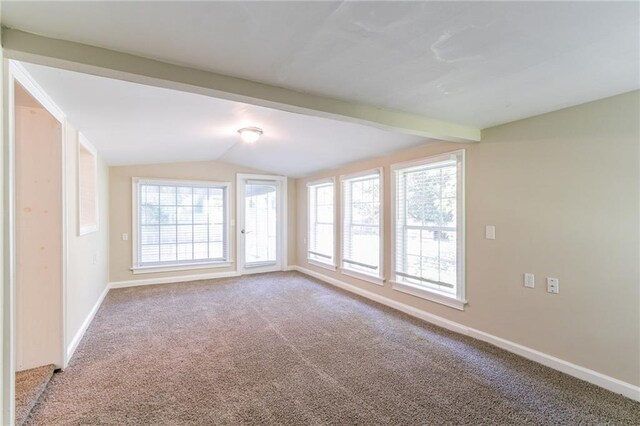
pixel 322 265
pixel 429 295
pixel 180 267
pixel 364 277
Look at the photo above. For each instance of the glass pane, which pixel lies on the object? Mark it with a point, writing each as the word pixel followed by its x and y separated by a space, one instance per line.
pixel 150 215
pixel 426 225
pixel 185 251
pixel 216 233
pixel 430 269
pixel 179 223
pixel 185 234
pixel 366 245
pixel 184 214
pixel 149 194
pixel 168 215
pixel 149 235
pixel 150 254
pixel 200 233
pixel 448 212
pixel 168 253
pixel 260 238
pixel 448 254
pixel 216 250
pixel 168 234
pixel 325 214
pixel 185 196
pixel 168 195
pixel 200 250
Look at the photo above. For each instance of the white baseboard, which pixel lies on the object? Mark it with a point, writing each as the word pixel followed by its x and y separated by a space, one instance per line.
pixel 176 279
pixel 591 376
pixel 71 348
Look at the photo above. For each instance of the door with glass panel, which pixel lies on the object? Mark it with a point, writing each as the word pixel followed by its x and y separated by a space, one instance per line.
pixel 260 223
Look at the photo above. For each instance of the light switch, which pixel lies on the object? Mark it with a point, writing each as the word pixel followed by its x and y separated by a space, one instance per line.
pixel 529 280
pixel 553 285
pixel 490 232
pixel 125 237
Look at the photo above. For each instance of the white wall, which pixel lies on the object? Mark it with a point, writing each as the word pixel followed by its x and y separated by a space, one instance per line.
pixel 88 255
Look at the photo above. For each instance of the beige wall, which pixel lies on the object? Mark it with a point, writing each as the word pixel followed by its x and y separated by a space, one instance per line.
pixel 88 255
pixel 121 213
pixel 562 190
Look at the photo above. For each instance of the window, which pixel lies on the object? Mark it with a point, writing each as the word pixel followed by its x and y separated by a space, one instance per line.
pixel 362 225
pixel 321 228
pixel 87 187
pixel 429 228
pixel 181 223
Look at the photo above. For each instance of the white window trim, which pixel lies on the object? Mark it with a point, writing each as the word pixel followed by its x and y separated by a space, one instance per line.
pixel 361 276
pixel 135 211
pixel 459 301
pixel 322 264
pixel 373 278
pixel 333 265
pixel 83 142
pixel 181 267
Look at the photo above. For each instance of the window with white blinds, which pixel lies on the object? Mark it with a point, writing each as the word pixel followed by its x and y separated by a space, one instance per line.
pixel 321 224
pixel 181 223
pixel 428 219
pixel 362 223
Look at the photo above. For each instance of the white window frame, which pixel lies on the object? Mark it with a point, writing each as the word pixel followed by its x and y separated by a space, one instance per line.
pixel 83 142
pixel 283 220
pixel 182 266
pixel 332 265
pixel 344 269
pixel 459 301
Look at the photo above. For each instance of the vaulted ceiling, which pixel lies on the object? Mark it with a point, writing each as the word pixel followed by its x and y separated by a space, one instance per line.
pixel 132 123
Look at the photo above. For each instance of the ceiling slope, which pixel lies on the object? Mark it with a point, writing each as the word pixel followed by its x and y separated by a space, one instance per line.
pixel 131 123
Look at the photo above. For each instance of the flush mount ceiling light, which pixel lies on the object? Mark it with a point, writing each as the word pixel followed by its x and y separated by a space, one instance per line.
pixel 250 134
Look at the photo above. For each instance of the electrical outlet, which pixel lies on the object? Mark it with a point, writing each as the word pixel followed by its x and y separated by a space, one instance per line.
pixel 553 285
pixel 529 280
pixel 125 237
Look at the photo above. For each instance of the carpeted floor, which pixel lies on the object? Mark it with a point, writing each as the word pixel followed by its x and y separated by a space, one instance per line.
pixel 285 349
pixel 29 386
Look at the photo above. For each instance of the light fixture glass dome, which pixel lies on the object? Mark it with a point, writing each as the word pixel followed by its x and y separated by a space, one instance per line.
pixel 250 134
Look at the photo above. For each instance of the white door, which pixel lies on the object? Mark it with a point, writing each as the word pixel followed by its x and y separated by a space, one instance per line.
pixel 261 223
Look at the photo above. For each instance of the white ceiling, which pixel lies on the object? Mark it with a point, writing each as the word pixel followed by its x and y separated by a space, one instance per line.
pixel 131 123
pixel 476 63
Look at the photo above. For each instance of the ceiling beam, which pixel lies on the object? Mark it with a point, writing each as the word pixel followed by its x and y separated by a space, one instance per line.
pixel 79 57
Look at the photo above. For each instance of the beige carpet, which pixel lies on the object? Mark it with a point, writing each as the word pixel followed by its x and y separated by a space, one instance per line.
pixel 29 386
pixel 285 349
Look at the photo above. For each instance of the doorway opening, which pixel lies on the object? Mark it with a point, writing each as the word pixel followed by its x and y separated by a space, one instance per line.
pixel 37 265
